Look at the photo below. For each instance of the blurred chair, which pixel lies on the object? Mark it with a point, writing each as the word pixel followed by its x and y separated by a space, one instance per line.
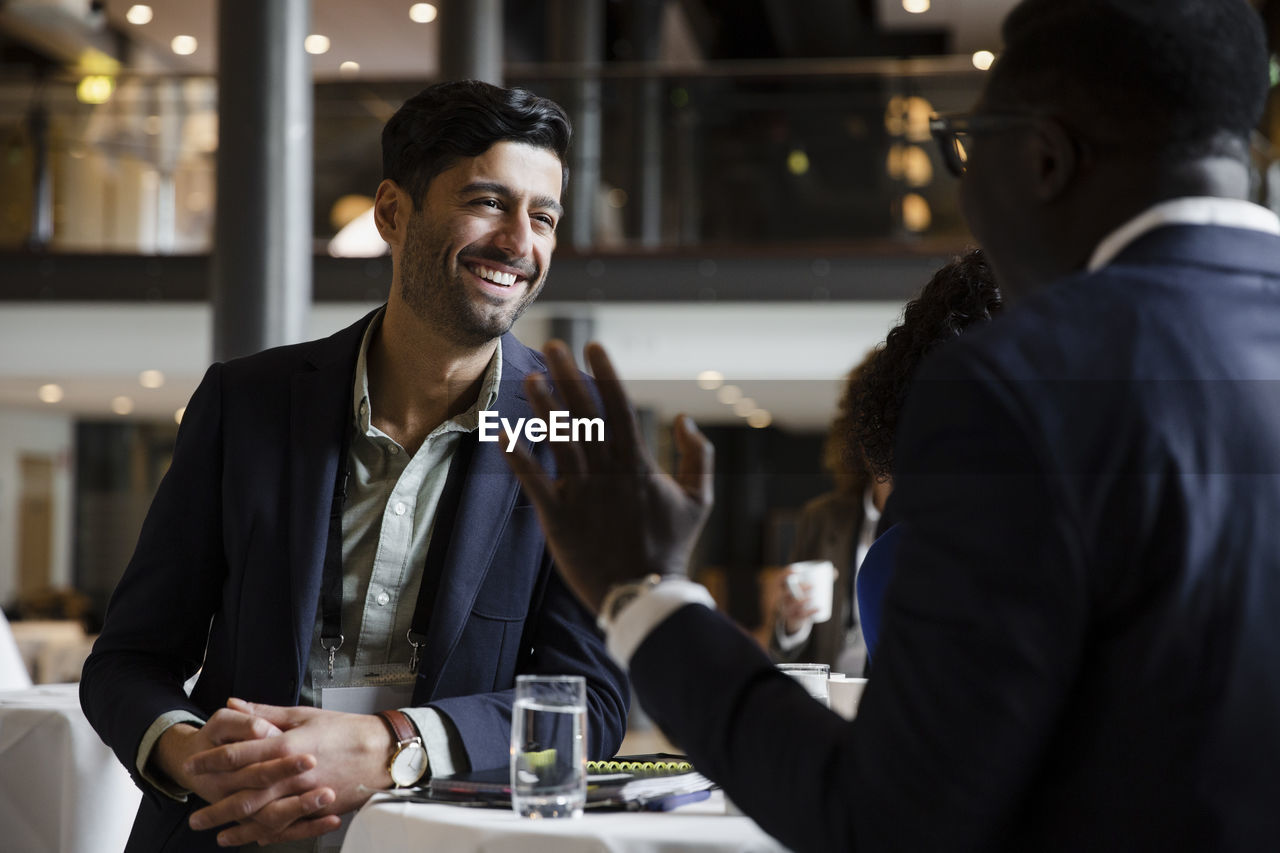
pixel 13 672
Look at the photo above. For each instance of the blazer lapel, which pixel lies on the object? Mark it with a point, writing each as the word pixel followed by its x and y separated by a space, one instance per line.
pixel 487 497
pixel 320 407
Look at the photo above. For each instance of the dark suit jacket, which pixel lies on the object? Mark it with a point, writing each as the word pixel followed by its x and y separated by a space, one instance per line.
pixel 230 559
pixel 828 529
pixel 1081 648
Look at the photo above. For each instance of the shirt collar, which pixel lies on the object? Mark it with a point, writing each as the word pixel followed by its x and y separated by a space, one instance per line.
pixel 1191 210
pixel 467 421
pixel 869 510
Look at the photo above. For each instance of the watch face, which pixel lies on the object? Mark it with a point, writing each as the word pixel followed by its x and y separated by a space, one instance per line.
pixel 409 764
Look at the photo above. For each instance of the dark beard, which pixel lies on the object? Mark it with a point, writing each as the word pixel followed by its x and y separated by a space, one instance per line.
pixel 441 299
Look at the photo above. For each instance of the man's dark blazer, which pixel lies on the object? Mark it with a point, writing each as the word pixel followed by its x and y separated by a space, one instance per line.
pixel 1081 642
pixel 230 559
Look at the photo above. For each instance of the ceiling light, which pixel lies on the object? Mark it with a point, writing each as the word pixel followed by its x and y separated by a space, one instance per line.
pixel 183 45
pixel 349 67
pixel 316 44
pixel 797 162
pixel 729 394
pixel 422 13
pixel 982 59
pixel 151 379
pixel 138 14
pixel 710 380
pixel 177 416
pixel 95 89
pixel 744 407
pixel 759 419
pixel 50 393
pixel 916 215
pixel 916 7
pixel 122 405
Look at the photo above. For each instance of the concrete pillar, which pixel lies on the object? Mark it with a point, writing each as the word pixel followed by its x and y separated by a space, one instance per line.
pixel 471 46
pixel 262 233
pixel 644 27
pixel 576 28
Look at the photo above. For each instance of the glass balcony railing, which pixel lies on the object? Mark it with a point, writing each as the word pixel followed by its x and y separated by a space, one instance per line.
pixel 770 156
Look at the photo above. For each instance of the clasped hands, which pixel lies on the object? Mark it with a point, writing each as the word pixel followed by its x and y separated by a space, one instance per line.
pixel 276 774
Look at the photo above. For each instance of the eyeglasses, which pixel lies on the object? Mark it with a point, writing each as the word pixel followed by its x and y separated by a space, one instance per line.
pixel 953 132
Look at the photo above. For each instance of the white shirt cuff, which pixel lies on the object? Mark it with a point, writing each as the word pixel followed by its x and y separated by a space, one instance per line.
pixel 446 756
pixel 787 642
pixel 648 610
pixel 162 724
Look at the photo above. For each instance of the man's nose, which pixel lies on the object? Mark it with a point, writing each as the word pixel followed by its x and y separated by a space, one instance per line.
pixel 515 234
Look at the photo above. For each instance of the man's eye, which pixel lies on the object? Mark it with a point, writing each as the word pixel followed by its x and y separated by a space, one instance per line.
pixel 487 202
pixel 546 220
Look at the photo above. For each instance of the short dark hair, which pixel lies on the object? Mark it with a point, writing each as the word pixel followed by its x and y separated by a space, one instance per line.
pixel 449 121
pixel 960 294
pixel 1178 78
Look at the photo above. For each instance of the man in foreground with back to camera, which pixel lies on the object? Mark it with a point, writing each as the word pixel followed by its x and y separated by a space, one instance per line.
pixel 1079 648
pixel 329 514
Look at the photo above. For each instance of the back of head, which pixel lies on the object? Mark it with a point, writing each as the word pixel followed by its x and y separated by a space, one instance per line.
pixel 1174 79
pixel 464 118
pixel 961 294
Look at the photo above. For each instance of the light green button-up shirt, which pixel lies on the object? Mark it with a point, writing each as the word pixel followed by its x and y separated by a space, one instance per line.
pixel 386 529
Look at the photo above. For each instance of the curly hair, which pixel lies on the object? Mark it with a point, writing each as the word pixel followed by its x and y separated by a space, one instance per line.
pixel 960 294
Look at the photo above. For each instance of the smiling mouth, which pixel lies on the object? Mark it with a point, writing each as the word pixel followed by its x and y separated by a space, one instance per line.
pixel 498 277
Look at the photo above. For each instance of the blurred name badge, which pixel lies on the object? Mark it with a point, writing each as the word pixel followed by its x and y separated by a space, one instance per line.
pixel 548 746
pixel 363 689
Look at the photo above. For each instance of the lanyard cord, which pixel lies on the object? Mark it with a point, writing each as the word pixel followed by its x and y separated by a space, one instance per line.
pixel 331 637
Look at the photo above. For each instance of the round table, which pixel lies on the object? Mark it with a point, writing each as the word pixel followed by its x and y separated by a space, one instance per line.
pixel 387 825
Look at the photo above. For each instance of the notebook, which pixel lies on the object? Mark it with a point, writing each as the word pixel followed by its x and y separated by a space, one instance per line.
pixel 656 781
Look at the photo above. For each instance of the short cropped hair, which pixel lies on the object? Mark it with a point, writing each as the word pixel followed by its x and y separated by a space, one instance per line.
pixel 449 121
pixel 960 294
pixel 1178 78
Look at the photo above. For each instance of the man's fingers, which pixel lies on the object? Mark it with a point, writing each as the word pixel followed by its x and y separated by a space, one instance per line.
pixel 250 833
pixel 535 482
pixel 569 456
pixel 234 756
pixel 284 718
pixel 696 469
pixel 285 811
pixel 624 434
pixel 231 725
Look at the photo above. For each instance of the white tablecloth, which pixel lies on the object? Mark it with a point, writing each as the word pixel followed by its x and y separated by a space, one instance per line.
pixel 389 826
pixel 61 789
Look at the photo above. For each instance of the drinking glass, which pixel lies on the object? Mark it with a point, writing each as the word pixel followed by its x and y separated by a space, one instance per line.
pixel 812 677
pixel 548 746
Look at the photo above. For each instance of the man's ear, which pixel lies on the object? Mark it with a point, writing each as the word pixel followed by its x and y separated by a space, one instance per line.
pixel 391 208
pixel 1056 158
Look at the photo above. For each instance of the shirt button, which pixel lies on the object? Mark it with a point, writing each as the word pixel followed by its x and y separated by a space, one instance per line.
pixel 364 408
pixel 383 598
pixel 400 509
pixel 393 450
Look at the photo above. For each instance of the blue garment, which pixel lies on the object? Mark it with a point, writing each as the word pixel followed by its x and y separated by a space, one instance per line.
pixel 230 557
pixel 1084 642
pixel 873 579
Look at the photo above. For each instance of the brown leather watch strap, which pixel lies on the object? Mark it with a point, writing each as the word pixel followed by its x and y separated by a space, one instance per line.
pixel 401 726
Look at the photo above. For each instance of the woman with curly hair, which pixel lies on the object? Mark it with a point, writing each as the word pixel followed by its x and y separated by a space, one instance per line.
pixel 960 295
pixel 842 525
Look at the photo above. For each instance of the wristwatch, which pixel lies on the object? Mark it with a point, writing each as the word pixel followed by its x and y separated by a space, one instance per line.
pixel 620 595
pixel 408 761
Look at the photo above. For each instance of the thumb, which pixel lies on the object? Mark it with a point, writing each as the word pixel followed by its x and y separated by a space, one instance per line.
pixel 696 470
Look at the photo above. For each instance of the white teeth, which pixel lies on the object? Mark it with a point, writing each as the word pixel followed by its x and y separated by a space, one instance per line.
pixel 505 279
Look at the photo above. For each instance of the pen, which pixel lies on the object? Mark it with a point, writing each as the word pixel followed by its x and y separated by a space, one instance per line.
pixel 674 801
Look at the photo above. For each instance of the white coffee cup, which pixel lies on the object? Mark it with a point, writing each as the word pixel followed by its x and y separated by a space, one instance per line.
pixel 820 576
pixel 844 693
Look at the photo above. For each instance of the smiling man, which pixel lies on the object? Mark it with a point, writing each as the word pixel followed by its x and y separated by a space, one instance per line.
pixel 360 578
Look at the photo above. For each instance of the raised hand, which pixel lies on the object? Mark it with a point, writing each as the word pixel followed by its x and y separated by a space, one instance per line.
pixel 612 515
pixel 347 754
